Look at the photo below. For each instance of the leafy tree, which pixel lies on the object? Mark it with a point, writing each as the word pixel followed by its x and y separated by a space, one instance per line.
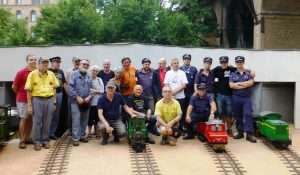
pixel 12 31
pixel 69 22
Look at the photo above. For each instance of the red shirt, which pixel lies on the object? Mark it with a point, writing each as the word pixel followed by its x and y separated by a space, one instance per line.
pixel 162 74
pixel 19 84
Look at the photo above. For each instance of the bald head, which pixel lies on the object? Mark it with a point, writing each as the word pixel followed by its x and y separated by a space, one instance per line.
pixel 138 90
pixel 162 63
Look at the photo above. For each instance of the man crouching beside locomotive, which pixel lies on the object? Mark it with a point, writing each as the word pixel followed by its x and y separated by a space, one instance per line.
pixel 168 113
pixel 241 82
pixel 109 111
pixel 139 106
pixel 201 108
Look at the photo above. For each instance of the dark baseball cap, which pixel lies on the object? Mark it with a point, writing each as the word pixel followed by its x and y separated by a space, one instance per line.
pixel 239 59
pixel 201 86
pixel 57 58
pixel 207 60
pixel 187 57
pixel 224 59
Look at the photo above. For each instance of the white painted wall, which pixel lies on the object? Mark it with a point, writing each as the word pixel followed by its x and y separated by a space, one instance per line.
pixel 270 66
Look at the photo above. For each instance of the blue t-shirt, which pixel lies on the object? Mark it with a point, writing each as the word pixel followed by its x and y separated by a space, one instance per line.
pixel 201 105
pixel 236 77
pixel 111 109
pixel 207 79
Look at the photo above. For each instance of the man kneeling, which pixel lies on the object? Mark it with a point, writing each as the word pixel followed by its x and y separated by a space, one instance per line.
pixel 168 113
pixel 109 111
pixel 200 109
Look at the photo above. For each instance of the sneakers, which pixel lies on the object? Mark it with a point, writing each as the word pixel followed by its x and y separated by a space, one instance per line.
pixel 239 135
pixel 251 138
pixel 84 140
pixel 116 139
pixel 37 147
pixel 46 145
pixel 22 145
pixel 172 141
pixel 75 143
pixel 105 137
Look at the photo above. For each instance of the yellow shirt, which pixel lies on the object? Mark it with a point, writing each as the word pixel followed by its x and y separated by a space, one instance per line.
pixel 167 111
pixel 41 85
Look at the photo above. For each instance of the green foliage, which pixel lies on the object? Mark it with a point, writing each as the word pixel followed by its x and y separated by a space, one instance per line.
pixel 12 31
pixel 109 21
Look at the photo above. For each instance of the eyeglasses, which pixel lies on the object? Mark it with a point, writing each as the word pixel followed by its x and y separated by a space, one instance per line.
pixel 85 64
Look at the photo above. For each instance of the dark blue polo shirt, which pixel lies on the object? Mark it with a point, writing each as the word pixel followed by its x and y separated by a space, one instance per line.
pixel 191 73
pixel 111 109
pixel 201 105
pixel 207 79
pixel 236 77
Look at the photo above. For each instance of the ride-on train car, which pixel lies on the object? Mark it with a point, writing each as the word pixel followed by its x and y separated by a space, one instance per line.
pixel 9 122
pixel 214 132
pixel 137 133
pixel 273 129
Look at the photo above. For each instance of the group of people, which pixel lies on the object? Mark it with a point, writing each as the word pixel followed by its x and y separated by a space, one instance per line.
pixel 173 99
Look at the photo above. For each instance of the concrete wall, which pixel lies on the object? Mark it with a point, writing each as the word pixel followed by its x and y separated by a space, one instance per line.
pixel 270 66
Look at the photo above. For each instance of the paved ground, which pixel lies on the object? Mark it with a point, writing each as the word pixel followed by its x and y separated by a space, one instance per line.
pixel 188 157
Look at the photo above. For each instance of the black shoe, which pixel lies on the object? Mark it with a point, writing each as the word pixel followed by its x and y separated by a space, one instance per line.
pixel 150 140
pixel 164 140
pixel 251 138
pixel 75 143
pixel 116 139
pixel 53 138
pixel 188 137
pixel 239 136
pixel 84 140
pixel 104 141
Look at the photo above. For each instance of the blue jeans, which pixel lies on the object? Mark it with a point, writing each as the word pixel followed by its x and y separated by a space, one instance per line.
pixel 224 104
pixel 56 114
pixel 79 122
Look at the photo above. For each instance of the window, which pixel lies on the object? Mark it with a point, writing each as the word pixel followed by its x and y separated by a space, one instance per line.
pixel 35 2
pixel 33 16
pixel 18 14
pixel 3 2
pixel 18 1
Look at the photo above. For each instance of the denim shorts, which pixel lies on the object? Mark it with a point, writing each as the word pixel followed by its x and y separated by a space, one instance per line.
pixel 224 104
pixel 22 109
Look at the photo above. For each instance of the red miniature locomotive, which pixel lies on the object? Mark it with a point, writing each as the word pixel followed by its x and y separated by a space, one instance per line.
pixel 214 132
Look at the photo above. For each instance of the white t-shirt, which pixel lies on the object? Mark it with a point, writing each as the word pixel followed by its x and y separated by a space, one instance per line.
pixel 175 79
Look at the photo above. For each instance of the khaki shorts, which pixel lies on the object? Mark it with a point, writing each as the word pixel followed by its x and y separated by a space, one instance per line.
pixel 22 110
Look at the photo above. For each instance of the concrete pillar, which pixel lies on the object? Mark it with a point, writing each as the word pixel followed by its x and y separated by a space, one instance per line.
pixel 297 106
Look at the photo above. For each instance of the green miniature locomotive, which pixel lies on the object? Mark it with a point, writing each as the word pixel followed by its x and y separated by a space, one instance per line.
pixel 273 129
pixel 137 133
pixel 4 124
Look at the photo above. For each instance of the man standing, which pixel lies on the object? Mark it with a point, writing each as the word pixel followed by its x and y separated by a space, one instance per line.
pixel 110 115
pixel 145 80
pixel 76 63
pixel 223 91
pixel 241 82
pixel 168 113
pixel 176 79
pixel 200 109
pixel 55 68
pixel 40 86
pixel 18 87
pixel 139 106
pixel 205 76
pixel 158 78
pixel 128 78
pixel 80 86
pixel 106 74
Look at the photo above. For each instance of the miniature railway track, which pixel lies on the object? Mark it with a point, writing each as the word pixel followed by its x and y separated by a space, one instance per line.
pixel 288 157
pixel 143 163
pixel 56 160
pixel 225 162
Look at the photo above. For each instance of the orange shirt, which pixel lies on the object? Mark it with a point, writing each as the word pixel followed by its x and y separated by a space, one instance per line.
pixel 128 81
